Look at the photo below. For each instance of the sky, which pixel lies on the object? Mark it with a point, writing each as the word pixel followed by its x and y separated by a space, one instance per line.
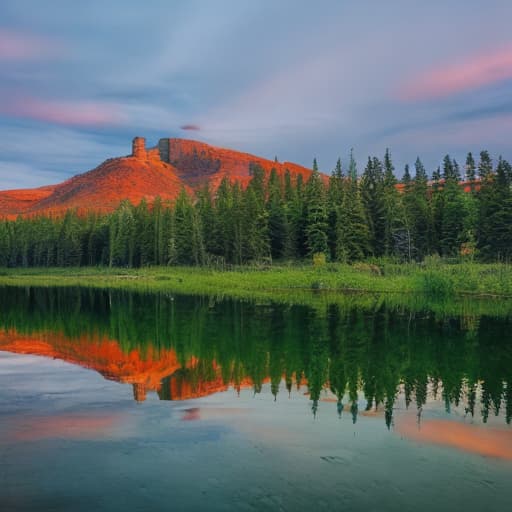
pixel 287 78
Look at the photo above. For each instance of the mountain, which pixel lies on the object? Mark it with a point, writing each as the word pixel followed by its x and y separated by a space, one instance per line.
pixel 145 174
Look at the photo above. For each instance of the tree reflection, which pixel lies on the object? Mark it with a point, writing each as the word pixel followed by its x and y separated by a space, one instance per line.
pixel 207 345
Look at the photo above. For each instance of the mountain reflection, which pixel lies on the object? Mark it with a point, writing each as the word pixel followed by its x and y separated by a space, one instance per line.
pixel 185 347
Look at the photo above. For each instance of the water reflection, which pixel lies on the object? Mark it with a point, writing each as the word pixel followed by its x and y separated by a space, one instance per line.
pixel 490 442
pixel 359 360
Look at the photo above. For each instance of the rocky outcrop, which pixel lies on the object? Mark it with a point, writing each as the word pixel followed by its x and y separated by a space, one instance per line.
pixel 139 148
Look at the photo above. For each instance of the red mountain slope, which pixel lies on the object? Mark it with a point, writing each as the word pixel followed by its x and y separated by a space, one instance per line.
pixel 103 188
pixel 198 163
pixel 13 202
pixel 160 171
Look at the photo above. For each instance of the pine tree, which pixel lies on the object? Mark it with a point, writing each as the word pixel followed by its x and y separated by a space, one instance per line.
pixel 470 169
pixel 334 199
pixel 451 215
pixel 205 211
pixel 69 248
pixel 255 233
pixel 186 250
pixel 406 178
pixel 291 210
pixel 373 197
pixel 419 212
pixel 448 169
pixel 122 235
pixel 276 216
pixel 352 232
pixel 494 234
pixel 145 236
pixel 316 214
pixel 392 207
pixel 485 169
pixel 223 227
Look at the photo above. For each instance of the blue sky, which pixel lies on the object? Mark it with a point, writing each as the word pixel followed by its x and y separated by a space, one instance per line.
pixel 289 78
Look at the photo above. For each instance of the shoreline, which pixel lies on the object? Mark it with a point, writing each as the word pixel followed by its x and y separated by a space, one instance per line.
pixel 443 287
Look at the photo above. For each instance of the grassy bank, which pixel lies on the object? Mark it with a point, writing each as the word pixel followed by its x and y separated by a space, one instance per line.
pixel 434 278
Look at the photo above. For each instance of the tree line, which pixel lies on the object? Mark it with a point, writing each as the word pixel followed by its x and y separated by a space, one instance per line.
pixel 348 218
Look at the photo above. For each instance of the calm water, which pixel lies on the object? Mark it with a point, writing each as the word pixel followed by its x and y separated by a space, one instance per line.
pixel 121 401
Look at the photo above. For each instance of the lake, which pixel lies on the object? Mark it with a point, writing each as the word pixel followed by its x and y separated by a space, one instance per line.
pixel 112 400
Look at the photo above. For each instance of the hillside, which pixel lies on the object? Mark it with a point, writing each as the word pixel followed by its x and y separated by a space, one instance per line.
pixel 13 202
pixel 103 188
pixel 147 173
pixel 197 163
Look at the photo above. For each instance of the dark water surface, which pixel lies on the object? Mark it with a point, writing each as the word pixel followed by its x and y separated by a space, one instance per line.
pixel 125 401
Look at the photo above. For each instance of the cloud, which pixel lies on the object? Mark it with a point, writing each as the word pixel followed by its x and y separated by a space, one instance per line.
pixel 473 73
pixel 69 113
pixel 15 175
pixel 33 157
pixel 15 46
pixel 190 127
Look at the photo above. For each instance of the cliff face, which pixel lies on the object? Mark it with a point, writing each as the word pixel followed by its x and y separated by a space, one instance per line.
pixel 198 163
pixel 147 173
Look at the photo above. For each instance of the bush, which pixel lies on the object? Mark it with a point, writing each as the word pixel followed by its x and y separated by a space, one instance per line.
pixel 319 259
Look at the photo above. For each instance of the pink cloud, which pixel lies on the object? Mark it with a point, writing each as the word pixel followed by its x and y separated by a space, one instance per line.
pixel 472 73
pixel 15 46
pixel 65 113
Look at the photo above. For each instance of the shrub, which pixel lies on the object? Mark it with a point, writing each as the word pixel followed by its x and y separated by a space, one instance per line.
pixel 319 259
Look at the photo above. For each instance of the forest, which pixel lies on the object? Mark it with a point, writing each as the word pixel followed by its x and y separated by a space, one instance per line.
pixel 454 213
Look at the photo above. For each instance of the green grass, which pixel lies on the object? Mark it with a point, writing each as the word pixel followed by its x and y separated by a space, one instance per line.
pixel 467 289
pixel 434 278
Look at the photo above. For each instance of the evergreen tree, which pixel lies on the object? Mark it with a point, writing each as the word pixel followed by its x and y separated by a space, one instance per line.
pixel 334 199
pixel 485 170
pixel 406 179
pixel 293 208
pixel 352 231
pixel 223 226
pixel 255 235
pixel 144 234
pixel 186 244
pixel 69 244
pixel 494 234
pixel 316 214
pixel 419 212
pixel 448 169
pixel 206 218
pixel 122 233
pixel 372 185
pixel 277 224
pixel 394 221
pixel 451 215
pixel 470 168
